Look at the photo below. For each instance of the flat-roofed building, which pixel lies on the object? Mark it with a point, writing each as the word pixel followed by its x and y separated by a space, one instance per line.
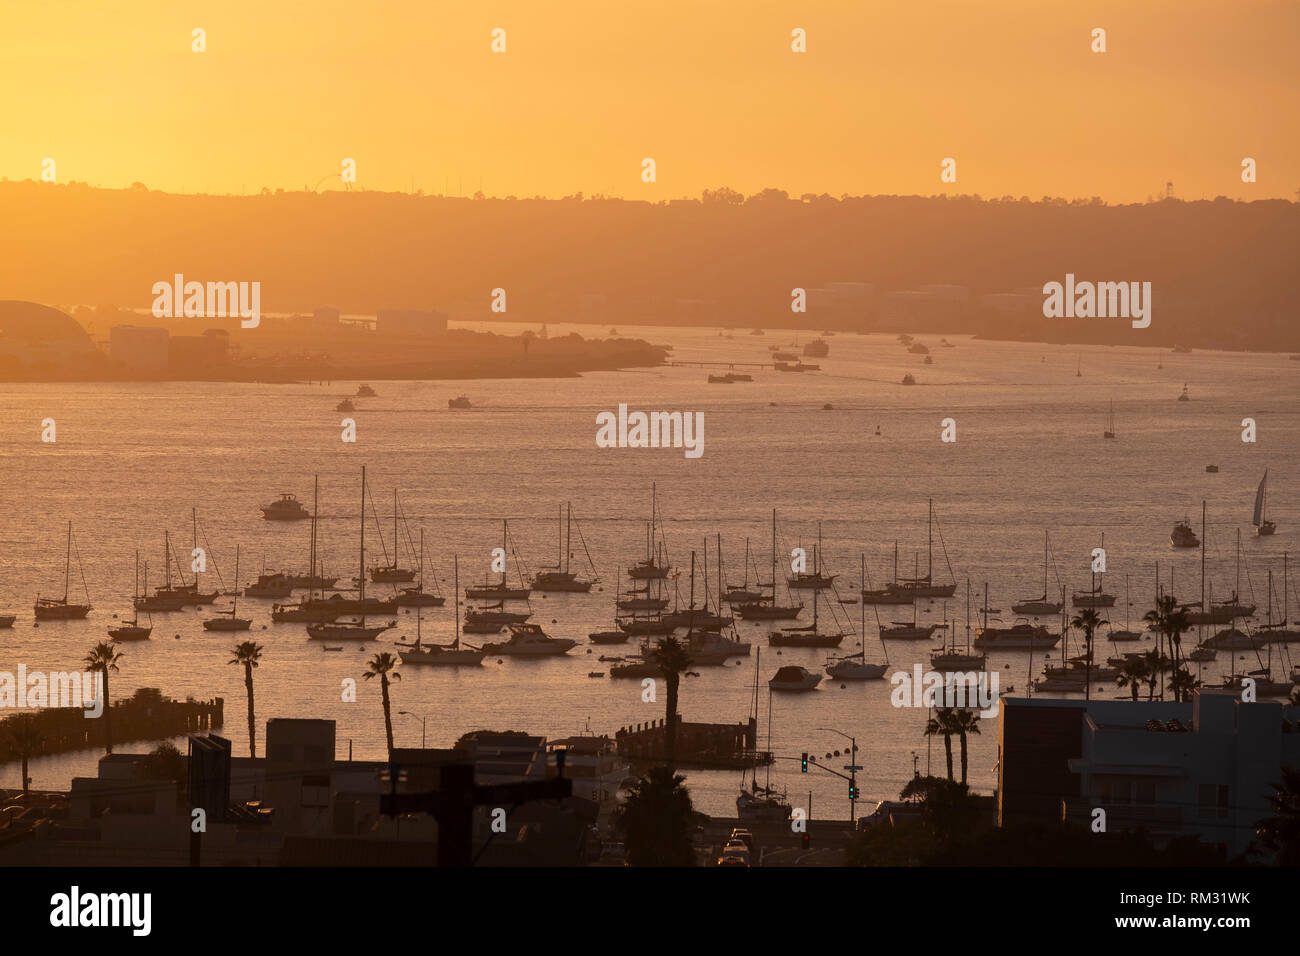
pixel 410 322
pixel 141 348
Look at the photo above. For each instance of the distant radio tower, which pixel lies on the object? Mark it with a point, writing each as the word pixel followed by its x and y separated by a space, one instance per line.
pixel 1169 189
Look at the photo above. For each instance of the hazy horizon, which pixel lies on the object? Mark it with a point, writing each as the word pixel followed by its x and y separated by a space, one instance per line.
pixel 1011 90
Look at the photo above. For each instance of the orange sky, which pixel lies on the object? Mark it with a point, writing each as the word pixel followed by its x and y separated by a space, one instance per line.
pixel 709 88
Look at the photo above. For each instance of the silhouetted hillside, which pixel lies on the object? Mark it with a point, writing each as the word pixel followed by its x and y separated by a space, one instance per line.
pixel 1222 272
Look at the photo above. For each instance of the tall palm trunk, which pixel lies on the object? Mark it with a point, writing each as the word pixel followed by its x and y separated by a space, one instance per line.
pixel 947 746
pixel 388 714
pixel 963 758
pixel 25 779
pixel 670 729
pixel 252 723
pixel 108 715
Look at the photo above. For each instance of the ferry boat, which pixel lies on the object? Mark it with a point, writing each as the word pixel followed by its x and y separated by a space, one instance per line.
pixel 1183 536
pixel 345 406
pixel 816 349
pixel 908 379
pixel 608 637
pixel 365 391
pixel 459 401
pixel 7 620
pixel 529 640
pixel 287 508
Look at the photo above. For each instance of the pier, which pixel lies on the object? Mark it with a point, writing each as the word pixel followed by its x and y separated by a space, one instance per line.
pixel 703 746
pixel 146 715
pixel 766 365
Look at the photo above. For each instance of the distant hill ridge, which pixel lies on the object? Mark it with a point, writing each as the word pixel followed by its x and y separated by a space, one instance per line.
pixel 1222 272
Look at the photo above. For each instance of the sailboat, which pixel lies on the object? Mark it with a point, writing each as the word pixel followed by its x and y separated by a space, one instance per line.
pixel 766 608
pixel 1279 633
pixel 166 600
pixel 441 655
pixel 902 631
pixel 813 580
pixel 417 596
pixel 697 618
pixel 1035 607
pixel 392 573
pixel 808 635
pixel 855 666
pixel 1095 596
pixel 1262 525
pixel 501 590
pixel 1110 423
pixel 917 586
pixel 1126 634
pixel 755 803
pixel 951 659
pixel 309 610
pixel 60 609
pixel 561 578
pixel 231 623
pixel 352 630
pixel 738 594
pixel 131 630
pixel 649 567
pixel 889 594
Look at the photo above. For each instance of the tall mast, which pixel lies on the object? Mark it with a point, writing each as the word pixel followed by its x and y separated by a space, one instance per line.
pixel 167 557
pixel 456 599
pixel 504 534
pixel 315 506
pixel 67 564
pixel 1237 590
pixel 720 596
pixel 363 533
pixel 396 545
pixel 1204 607
pixel 194 521
pixel 929 561
pixel 235 605
pixel 773 557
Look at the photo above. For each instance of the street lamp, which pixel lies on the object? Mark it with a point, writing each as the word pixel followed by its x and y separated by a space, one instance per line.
pixel 852 768
pixel 423 721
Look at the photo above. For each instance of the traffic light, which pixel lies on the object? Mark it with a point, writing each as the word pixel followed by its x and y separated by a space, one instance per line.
pixel 803 767
pixel 853 792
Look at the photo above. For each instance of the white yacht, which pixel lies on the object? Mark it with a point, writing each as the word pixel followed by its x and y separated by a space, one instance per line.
pixel 529 640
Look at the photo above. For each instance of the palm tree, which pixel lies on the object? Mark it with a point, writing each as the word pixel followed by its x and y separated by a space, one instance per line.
pixel 942 725
pixel 1170 621
pixel 1087 621
pixel 965 722
pixel 24 738
pixel 1153 659
pixel 672 659
pixel 103 658
pixel 381 666
pixel 655 820
pixel 249 653
pixel 1280 833
pixel 1182 683
pixel 1132 673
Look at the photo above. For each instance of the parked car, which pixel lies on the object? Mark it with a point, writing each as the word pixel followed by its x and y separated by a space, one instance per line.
pixel 734 856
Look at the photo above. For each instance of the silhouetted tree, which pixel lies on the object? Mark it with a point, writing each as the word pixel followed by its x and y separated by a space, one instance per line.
pixel 655 821
pixel 1280 833
pixel 23 736
pixel 672 659
pixel 249 653
pixel 381 666
pixel 103 658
